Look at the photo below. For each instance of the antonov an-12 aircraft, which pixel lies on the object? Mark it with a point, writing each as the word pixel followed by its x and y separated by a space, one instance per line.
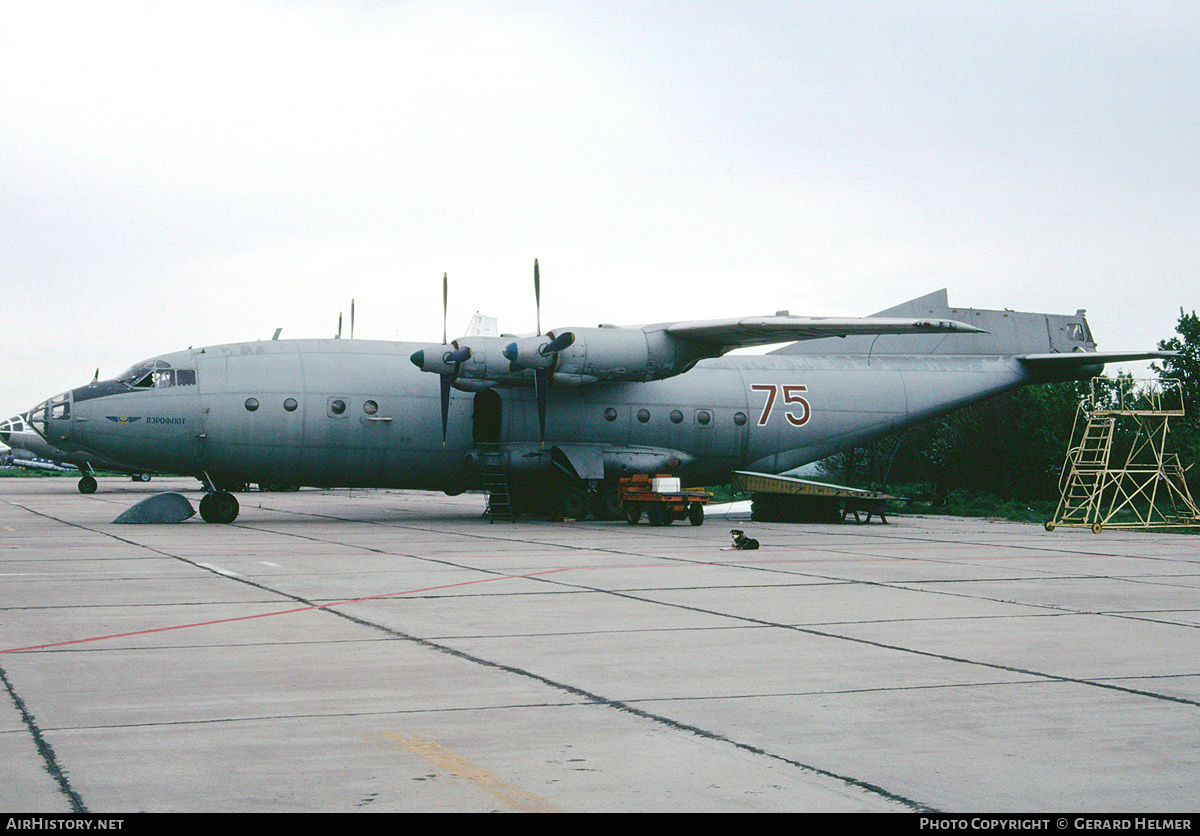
pixel 558 417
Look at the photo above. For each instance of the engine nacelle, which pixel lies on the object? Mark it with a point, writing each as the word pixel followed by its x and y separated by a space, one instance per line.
pixel 620 354
pixel 587 355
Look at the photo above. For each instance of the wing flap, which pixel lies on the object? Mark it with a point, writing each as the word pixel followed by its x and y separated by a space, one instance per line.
pixel 764 330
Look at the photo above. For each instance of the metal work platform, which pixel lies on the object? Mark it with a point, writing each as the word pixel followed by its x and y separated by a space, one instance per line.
pixel 1120 470
pixel 788 498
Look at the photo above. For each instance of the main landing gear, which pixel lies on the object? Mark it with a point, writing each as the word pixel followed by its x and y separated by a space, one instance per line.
pixel 219 507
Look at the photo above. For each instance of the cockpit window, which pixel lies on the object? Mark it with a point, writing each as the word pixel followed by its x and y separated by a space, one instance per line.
pixel 58 408
pixel 139 376
pixel 16 424
pixel 156 374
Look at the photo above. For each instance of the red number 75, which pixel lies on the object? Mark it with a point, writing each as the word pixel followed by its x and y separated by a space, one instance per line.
pixel 798 416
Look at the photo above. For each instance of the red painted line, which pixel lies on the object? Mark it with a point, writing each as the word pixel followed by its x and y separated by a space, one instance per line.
pixel 284 612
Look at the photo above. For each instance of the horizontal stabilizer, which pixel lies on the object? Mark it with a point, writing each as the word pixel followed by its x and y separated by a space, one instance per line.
pixel 1076 359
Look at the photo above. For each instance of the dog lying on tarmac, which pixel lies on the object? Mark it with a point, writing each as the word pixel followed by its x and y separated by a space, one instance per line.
pixel 741 542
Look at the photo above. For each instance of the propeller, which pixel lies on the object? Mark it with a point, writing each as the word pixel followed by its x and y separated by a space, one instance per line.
pixel 351 319
pixel 447 364
pixel 451 358
pixel 538 354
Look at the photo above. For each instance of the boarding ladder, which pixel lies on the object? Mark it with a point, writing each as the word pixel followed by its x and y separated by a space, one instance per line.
pixel 1083 475
pixel 495 482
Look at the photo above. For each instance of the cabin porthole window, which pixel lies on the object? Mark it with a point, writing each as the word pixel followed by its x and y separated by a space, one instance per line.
pixel 676 416
pixel 703 417
pixel 337 406
pixel 251 404
pixel 610 414
pixel 643 415
pixel 370 407
pixel 290 404
pixel 739 418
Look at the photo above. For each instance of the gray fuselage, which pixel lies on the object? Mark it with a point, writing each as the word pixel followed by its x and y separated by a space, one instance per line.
pixel 358 413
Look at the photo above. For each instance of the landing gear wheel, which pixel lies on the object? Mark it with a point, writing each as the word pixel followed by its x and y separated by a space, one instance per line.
pixel 696 514
pixel 142 477
pixel 1097 528
pixel 219 507
pixel 655 514
pixel 87 484
pixel 1049 525
pixel 573 504
pixel 633 514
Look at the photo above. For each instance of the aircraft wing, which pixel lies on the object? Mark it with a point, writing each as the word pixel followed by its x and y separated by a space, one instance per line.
pixel 1076 359
pixel 763 330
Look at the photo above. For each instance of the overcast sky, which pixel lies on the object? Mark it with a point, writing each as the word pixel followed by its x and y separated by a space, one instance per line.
pixel 179 174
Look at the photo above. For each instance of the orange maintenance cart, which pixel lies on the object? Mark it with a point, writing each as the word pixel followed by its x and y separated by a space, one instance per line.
pixel 661 498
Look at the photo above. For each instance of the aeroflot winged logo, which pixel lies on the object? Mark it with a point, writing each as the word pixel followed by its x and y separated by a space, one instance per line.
pixel 153 419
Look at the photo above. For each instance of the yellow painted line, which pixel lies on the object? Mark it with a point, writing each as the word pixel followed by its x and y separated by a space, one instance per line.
pixel 460 767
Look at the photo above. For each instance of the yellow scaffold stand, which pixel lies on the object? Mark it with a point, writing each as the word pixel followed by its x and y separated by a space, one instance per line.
pixel 1148 490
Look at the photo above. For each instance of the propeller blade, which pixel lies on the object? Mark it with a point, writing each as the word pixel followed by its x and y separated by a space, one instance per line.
pixel 563 340
pixel 445 304
pixel 351 319
pixel 447 379
pixel 460 355
pixel 541 383
pixel 339 333
pixel 537 294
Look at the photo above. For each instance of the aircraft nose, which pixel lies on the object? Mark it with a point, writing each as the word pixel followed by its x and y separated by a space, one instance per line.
pixel 51 419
